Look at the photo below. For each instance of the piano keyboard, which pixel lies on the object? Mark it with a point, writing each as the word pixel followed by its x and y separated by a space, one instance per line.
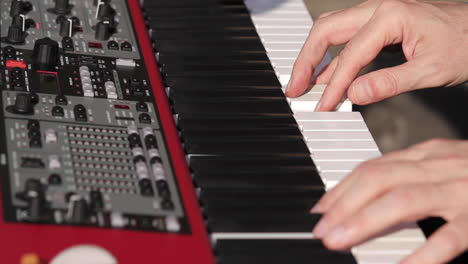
pixel 259 160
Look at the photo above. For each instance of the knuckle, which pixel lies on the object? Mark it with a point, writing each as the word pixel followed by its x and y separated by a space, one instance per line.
pixel 391 83
pixel 432 143
pixel 323 15
pixel 402 196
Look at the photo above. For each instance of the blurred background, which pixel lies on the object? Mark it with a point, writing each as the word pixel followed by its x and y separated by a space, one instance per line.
pixel 412 117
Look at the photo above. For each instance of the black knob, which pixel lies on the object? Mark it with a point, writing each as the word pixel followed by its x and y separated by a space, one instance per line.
pixel 9 52
pixel 62 7
pixel 105 10
pixel 134 140
pixel 96 201
pixel 151 142
pixel 66 28
pixel 15 35
pixel 23 105
pixel 19 7
pixel 33 124
pixel 79 211
pixel 34 195
pixel 55 179
pixel 103 31
pixel 17 21
pixel 46 54
pixel 96 2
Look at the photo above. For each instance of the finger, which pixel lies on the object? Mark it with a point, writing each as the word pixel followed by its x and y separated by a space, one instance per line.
pixel 325 76
pixel 444 245
pixel 404 204
pixel 371 182
pixel 332 30
pixel 380 31
pixel 327 14
pixel 389 82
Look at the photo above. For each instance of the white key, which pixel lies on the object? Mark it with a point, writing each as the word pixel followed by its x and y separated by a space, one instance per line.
pixel 358 156
pixel 339 145
pixel 332 126
pixel 337 135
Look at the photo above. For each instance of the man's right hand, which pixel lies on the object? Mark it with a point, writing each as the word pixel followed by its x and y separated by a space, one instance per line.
pixel 434 37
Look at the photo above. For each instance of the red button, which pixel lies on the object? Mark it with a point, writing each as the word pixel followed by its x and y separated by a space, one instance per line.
pixel 16 64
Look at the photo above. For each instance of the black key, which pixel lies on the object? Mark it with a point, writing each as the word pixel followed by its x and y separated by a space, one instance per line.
pixel 231 161
pixel 279 251
pixel 214 58
pixel 233 108
pixel 189 3
pixel 213 199
pixel 231 122
pixel 239 133
pixel 259 221
pixel 219 66
pixel 181 12
pixel 227 99
pixel 201 34
pixel 172 24
pixel 168 47
pixel 288 178
pixel 237 19
pixel 285 145
pixel 265 80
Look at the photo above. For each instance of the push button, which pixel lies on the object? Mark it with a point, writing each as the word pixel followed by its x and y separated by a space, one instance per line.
pixel 126 46
pixel 112 45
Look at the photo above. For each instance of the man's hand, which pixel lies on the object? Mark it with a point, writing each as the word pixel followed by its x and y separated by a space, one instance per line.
pixel 434 37
pixel 429 179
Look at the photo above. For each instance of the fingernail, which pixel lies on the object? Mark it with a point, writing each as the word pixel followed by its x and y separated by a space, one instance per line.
pixel 318 107
pixel 337 236
pixel 316 209
pixel 320 229
pixel 363 91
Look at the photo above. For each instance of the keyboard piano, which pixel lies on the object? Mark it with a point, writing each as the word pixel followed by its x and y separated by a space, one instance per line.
pixel 255 180
pixel 244 163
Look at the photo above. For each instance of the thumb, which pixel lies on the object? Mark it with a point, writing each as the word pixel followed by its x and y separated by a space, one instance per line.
pixel 385 83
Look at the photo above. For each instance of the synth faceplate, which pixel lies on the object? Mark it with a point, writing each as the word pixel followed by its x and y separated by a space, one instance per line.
pixel 82 143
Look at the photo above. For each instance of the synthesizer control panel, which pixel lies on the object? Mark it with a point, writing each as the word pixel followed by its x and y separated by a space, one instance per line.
pixel 81 136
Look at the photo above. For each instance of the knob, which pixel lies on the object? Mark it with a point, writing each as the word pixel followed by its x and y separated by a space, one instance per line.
pixel 15 35
pixel 105 9
pixel 96 201
pixel 34 195
pixel 78 210
pixel 103 31
pixel 62 7
pixel 19 21
pixel 23 105
pixel 19 7
pixel 66 28
pixel 45 54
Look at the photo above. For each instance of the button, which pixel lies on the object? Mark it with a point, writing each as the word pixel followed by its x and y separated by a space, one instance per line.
pixel 30 258
pixel 50 136
pixel 35 143
pixel 126 46
pixel 61 100
pixel 112 45
pixel 34 133
pixel 172 224
pixel 112 95
pixel 55 179
pixel 144 118
pixel 33 124
pixel 110 86
pixel 10 64
pixel 57 111
pixel 151 142
pixel 54 162
pixel 67 44
pixel 142 107
pixel 80 113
